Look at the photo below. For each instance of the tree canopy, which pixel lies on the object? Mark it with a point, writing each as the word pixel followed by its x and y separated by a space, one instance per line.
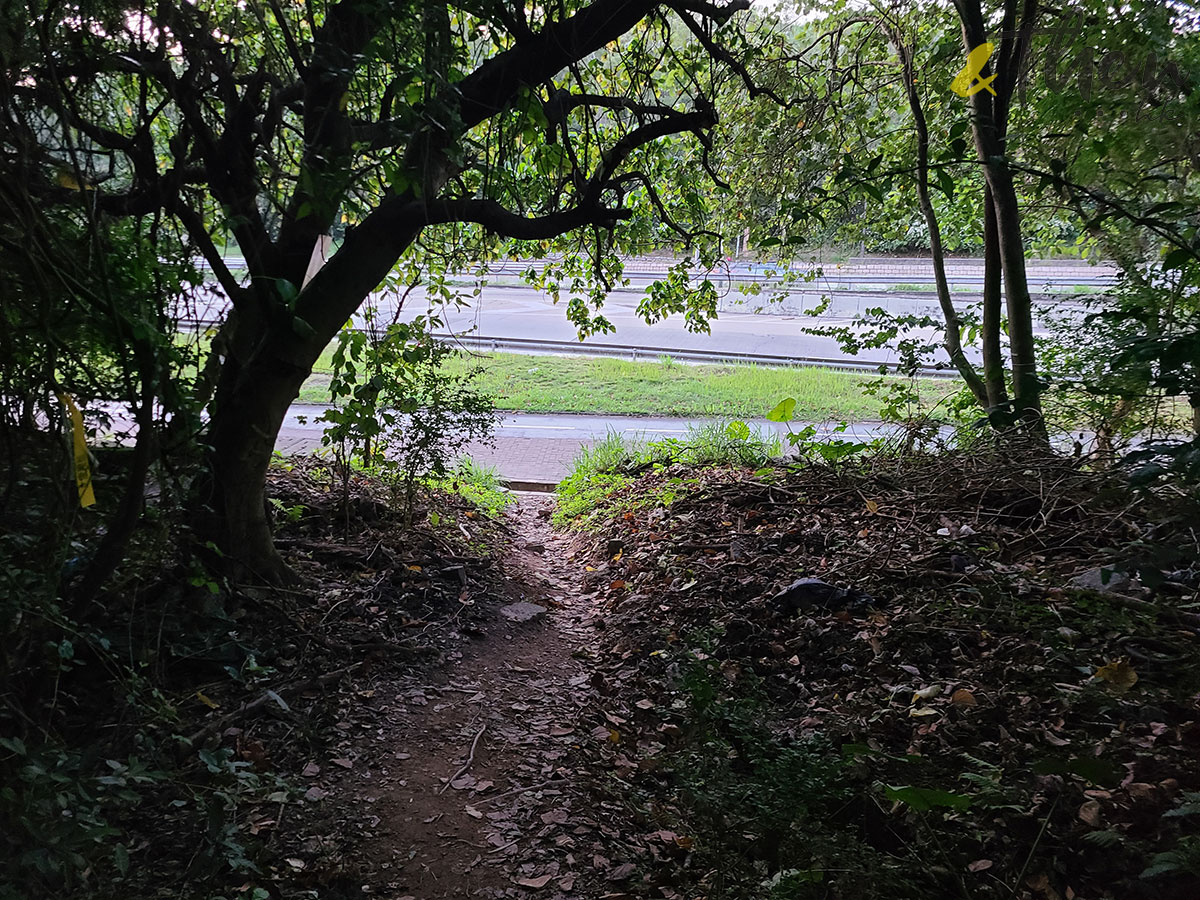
pixel 407 128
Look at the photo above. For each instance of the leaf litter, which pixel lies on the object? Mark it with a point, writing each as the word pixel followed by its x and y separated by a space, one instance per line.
pixel 1037 746
pixel 991 726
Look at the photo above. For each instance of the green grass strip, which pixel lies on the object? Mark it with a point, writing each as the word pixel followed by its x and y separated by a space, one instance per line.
pixel 604 386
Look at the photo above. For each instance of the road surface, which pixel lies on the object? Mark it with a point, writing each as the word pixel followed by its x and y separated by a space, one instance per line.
pixel 759 325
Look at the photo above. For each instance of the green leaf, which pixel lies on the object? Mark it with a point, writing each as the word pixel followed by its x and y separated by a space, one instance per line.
pixel 1103 838
pixel 945 183
pixel 16 745
pixel 287 291
pixel 121 858
pixel 783 410
pixel 925 799
pixel 1177 258
pixel 738 430
pixel 302 328
pixel 1089 768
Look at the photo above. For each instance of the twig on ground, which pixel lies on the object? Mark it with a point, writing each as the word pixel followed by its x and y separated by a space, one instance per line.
pixel 515 791
pixel 271 696
pixel 467 764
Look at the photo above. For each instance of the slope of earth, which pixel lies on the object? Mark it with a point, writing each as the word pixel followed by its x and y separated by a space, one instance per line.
pixel 968 702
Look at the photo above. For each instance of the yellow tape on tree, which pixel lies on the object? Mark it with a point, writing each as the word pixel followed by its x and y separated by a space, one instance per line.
pixel 83 471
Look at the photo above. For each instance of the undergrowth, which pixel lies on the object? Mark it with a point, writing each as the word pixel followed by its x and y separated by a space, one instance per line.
pixel 988 726
pixel 775 817
pixel 125 768
pixel 600 472
pixel 476 483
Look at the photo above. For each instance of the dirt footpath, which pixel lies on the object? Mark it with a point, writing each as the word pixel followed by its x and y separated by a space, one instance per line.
pixel 472 781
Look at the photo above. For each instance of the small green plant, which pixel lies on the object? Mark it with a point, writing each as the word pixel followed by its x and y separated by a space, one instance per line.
pixel 599 472
pixel 399 412
pixel 1183 859
pixel 727 443
pixel 762 803
pixel 447 416
pixel 479 484
pixel 292 513
pixel 804 440
pixel 596 474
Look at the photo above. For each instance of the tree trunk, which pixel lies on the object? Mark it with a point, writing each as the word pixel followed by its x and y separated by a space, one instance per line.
pixel 262 375
pixel 1026 386
pixel 244 428
pixel 953 325
pixel 989 122
pixel 993 355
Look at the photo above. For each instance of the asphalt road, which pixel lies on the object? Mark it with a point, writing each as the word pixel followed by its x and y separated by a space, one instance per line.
pixel 772 325
pixel 581 428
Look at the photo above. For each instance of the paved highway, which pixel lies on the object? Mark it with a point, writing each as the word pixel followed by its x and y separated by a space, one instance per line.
pixel 754 325
pixel 587 429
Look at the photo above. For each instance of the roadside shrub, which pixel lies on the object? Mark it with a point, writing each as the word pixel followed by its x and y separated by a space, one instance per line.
pixel 398 411
pixel 599 472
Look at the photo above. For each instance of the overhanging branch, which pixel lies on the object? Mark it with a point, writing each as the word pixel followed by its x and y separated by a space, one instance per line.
pixel 499 220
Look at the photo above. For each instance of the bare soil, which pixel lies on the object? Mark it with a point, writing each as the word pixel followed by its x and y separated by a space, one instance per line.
pixel 467 780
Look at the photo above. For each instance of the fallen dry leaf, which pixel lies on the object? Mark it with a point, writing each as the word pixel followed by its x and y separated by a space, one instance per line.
pixel 1089 813
pixel 963 697
pixel 1142 792
pixel 622 872
pixel 1119 675
pixel 540 882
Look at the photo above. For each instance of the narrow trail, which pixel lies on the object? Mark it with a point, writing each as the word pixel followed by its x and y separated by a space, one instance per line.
pixel 469 776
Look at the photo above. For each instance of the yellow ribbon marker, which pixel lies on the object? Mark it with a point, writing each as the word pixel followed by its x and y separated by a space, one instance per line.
pixel 964 83
pixel 83 472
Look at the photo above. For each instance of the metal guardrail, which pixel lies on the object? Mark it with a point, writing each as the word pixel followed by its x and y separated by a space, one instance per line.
pixel 534 346
pixel 869 271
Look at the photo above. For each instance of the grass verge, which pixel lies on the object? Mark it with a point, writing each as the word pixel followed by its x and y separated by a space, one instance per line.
pixel 599 472
pixel 664 388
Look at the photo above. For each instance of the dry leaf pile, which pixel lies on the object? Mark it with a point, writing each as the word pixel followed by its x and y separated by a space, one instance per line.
pixel 1014 718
